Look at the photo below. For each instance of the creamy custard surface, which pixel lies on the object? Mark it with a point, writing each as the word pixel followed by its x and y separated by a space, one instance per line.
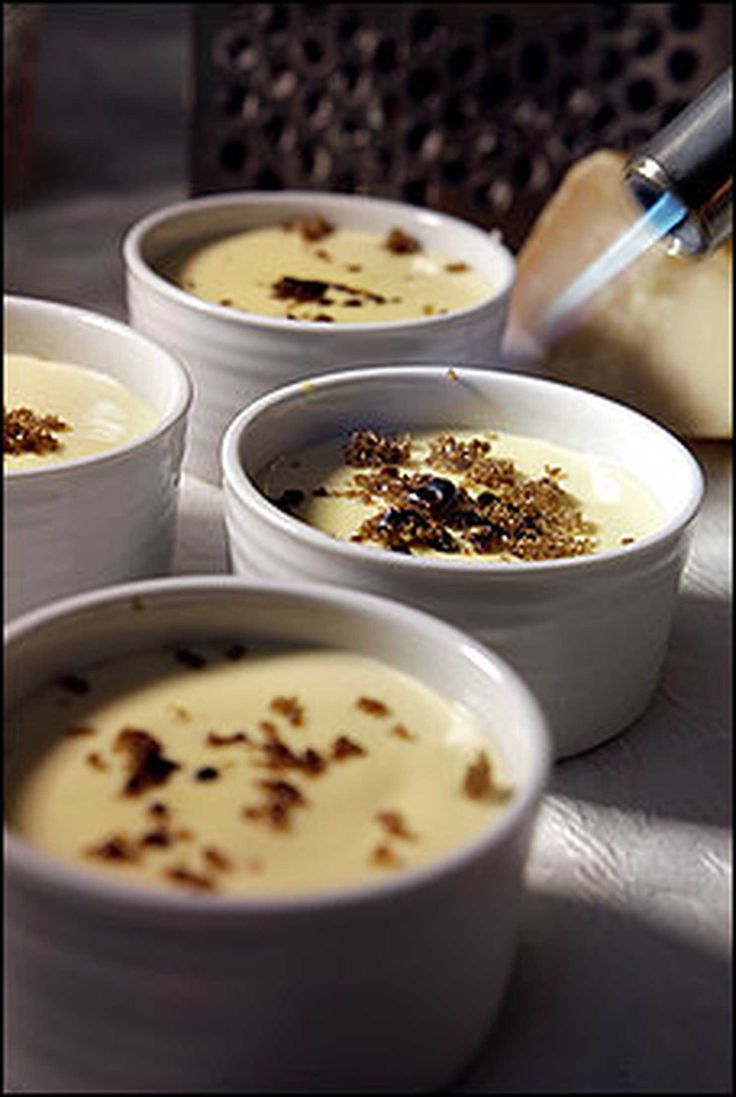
pixel 98 412
pixel 341 275
pixel 490 511
pixel 273 772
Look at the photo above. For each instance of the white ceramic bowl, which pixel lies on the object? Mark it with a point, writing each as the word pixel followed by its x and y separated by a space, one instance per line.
pixel 587 633
pixel 110 517
pixel 382 988
pixel 235 356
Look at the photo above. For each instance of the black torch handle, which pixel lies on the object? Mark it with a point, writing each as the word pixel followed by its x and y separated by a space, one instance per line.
pixel 692 158
pixel 696 148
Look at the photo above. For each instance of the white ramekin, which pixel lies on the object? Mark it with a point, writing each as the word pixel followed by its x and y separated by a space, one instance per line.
pixel 383 988
pixel 589 633
pixel 235 356
pixel 110 517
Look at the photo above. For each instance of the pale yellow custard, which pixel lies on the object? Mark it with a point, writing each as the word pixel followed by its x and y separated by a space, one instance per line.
pixel 327 275
pixel 464 495
pixel 57 411
pixel 222 770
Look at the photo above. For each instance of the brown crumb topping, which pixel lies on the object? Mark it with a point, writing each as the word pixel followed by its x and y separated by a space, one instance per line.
pixel 372 706
pixel 216 859
pixel 385 857
pixel 456 268
pixel 215 740
pixel 394 823
pixel 96 761
pixel 206 773
pixel 369 449
pixel 290 709
pixel 186 878
pixel 303 291
pixel 402 732
pixel 146 764
pixel 280 799
pixel 118 847
pixel 300 290
pixel 479 781
pixel 24 431
pixel 400 243
pixel 178 712
pixel 280 756
pixel 447 454
pixel 310 228
pixel 344 747
pixel 492 508
pixel 160 837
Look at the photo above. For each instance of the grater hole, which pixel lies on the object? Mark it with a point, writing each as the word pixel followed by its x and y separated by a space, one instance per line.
pixel 312 51
pixel 347 27
pixel 268 179
pixel 273 128
pixel 686 16
pixel 521 171
pixel 682 65
pixel 232 155
pixel 611 63
pixel 460 61
pixel 499 30
pixel 612 16
pixel 416 136
pixel 232 103
pixel 453 115
pixel 453 171
pixel 422 82
pixel 493 88
pixel 534 63
pixel 603 117
pixel 423 25
pixel 415 191
pixel 648 39
pixel 349 74
pixel 641 95
pixel 386 57
pixel 346 181
pixel 572 38
pixel 391 105
pixel 278 19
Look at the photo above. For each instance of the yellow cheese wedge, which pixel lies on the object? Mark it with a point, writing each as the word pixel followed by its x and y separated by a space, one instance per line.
pixel 658 338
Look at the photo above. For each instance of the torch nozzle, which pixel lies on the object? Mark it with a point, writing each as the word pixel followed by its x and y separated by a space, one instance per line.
pixel 692 159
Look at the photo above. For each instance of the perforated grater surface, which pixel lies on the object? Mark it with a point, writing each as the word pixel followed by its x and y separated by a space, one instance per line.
pixel 475 109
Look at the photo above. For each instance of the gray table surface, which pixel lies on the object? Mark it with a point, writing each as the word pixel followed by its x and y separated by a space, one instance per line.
pixel 622 982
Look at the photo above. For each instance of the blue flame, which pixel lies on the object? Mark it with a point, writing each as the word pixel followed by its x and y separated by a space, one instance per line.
pixel 565 310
